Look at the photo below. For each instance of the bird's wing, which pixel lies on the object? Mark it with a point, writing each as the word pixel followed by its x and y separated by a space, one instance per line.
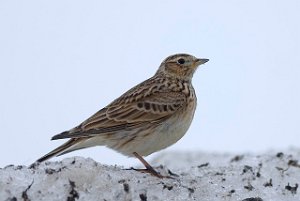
pixel 125 113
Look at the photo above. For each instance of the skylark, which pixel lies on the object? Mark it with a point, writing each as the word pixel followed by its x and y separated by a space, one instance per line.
pixel 149 117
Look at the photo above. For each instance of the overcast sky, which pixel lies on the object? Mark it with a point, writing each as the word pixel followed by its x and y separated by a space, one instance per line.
pixel 61 61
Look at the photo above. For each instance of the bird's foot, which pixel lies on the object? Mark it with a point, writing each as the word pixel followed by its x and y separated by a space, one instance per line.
pixel 152 172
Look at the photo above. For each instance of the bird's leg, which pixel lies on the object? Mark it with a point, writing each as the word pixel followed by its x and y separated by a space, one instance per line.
pixel 145 163
pixel 149 168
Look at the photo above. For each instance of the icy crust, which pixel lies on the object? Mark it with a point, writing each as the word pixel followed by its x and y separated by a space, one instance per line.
pixel 200 176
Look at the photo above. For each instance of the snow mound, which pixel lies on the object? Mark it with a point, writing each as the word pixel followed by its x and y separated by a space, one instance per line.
pixel 197 176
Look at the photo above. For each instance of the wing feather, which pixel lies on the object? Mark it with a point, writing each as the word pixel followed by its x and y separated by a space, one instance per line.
pixel 138 106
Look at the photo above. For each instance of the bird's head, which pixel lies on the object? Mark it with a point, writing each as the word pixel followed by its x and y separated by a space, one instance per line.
pixel 181 66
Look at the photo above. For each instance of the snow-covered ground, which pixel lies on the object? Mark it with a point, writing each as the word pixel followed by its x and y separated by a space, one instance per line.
pixel 197 176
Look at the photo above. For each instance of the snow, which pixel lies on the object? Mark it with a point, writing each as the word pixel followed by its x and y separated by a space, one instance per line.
pixel 200 176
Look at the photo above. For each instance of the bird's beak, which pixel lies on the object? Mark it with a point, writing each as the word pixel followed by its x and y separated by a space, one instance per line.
pixel 200 61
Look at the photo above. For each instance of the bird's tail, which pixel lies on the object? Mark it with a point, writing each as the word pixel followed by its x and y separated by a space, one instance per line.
pixel 64 148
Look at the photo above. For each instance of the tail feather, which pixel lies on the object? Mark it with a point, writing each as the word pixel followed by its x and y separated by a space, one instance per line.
pixel 71 145
pixel 59 150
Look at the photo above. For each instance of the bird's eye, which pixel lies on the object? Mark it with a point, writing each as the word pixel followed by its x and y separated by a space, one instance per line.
pixel 181 61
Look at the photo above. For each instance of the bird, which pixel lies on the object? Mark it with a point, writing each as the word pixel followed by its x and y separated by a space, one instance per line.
pixel 149 117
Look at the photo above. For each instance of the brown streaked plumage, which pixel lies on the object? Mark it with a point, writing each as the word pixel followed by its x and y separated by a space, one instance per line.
pixel 149 117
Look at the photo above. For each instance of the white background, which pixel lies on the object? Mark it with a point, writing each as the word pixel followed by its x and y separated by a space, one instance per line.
pixel 61 61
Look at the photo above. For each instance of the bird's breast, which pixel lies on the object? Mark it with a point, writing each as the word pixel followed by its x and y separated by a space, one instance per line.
pixel 171 130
